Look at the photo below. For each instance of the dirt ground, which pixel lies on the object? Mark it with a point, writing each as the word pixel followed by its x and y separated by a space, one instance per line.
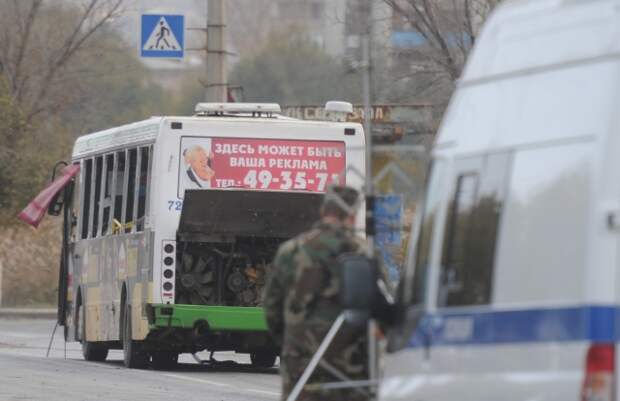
pixel 29 259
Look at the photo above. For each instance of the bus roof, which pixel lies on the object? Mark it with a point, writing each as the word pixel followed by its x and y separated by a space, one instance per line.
pixel 146 131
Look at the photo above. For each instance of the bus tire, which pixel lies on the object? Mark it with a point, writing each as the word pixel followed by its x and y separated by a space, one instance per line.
pixel 91 351
pixel 134 357
pixel 263 359
pixel 164 360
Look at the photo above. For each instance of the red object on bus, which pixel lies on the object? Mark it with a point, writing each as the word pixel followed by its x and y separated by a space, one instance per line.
pixel 34 212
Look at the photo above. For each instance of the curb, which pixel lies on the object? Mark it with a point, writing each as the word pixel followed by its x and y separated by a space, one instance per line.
pixel 26 313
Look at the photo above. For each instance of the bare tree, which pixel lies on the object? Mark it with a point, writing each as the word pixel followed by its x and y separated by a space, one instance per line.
pixel 250 22
pixel 448 28
pixel 38 44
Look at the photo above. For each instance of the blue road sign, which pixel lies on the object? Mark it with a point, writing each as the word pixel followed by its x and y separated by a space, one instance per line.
pixel 162 36
pixel 388 213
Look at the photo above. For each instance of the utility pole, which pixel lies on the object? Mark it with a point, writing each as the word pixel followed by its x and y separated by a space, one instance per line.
pixel 217 80
pixel 366 14
pixel 1 268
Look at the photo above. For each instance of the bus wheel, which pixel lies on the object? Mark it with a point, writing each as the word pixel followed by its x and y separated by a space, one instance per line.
pixel 134 356
pixel 263 359
pixel 92 351
pixel 164 360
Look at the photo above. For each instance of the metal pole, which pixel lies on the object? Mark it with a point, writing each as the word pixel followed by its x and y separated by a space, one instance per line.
pixel 367 88
pixel 367 93
pixel 329 337
pixel 1 268
pixel 217 82
pixel 49 347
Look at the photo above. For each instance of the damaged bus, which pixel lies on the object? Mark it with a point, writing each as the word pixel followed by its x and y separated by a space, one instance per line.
pixel 171 225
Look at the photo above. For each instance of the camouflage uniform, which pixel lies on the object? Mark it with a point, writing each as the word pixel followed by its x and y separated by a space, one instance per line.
pixel 302 302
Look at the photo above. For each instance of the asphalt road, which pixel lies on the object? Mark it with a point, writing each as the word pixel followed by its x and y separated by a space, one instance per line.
pixel 26 374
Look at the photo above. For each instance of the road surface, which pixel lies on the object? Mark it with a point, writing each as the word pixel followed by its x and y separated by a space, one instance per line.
pixel 26 374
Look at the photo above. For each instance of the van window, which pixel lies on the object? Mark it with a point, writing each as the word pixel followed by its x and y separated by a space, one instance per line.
pixel 143 182
pixel 470 235
pixel 129 220
pixel 458 233
pixel 544 234
pixel 86 177
pixel 425 237
pixel 97 197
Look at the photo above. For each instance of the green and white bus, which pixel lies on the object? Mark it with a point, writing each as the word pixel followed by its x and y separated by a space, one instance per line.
pixel 172 223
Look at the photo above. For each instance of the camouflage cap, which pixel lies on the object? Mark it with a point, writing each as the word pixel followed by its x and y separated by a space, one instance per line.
pixel 340 201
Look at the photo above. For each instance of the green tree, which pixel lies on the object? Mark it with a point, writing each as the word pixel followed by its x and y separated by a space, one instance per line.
pixel 25 161
pixel 291 69
pixel 112 88
pixel 39 46
pixel 94 82
pixel 64 71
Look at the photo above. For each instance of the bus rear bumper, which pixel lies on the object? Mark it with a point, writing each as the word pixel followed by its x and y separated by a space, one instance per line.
pixel 217 318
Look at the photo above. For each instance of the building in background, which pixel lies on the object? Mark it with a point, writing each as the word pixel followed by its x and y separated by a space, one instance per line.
pixel 336 26
pixel 169 72
pixel 391 124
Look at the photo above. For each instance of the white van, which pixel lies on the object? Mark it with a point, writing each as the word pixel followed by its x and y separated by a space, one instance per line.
pixel 517 260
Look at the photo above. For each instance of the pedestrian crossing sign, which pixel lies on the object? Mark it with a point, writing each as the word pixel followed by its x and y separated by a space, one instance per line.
pixel 162 36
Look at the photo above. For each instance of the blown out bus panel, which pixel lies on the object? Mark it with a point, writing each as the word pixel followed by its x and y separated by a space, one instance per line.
pixel 222 255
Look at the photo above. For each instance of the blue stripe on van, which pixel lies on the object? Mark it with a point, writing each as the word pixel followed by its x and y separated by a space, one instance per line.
pixel 587 323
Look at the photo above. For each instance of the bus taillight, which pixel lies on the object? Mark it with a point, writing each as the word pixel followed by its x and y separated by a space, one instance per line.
pixel 167 271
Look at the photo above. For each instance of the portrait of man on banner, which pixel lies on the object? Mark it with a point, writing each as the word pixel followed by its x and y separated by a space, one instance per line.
pixel 198 165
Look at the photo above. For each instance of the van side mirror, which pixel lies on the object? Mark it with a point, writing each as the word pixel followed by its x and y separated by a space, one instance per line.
pixel 363 298
pixel 362 294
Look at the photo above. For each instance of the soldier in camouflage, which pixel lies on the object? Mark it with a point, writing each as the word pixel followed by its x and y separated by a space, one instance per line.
pixel 302 302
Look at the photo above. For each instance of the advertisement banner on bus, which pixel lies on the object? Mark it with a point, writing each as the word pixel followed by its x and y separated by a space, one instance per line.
pixel 260 164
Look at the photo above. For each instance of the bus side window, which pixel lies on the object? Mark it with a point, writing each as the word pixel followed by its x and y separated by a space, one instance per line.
pixel 143 184
pixel 106 202
pixel 86 177
pixel 129 217
pixel 75 207
pixel 119 191
pixel 97 197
